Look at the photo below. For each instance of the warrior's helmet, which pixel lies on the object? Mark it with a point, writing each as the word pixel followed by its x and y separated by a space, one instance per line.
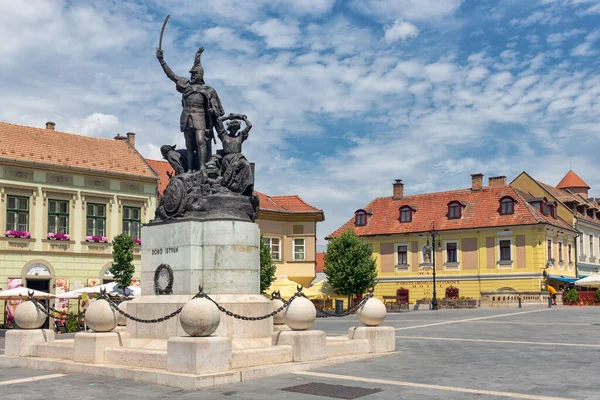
pixel 197 67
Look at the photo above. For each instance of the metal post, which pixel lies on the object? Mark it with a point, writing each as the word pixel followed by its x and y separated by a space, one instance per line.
pixel 519 301
pixel 549 301
pixel 434 302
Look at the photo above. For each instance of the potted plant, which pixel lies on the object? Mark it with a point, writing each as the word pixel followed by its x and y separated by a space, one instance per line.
pixel 58 236
pixel 96 238
pixel 19 234
pixel 137 241
pixel 551 261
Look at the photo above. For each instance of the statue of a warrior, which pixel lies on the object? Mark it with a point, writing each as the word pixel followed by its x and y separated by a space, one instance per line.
pixel 201 109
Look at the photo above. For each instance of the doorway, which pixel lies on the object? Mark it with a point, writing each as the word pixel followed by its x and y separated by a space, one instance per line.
pixel 43 285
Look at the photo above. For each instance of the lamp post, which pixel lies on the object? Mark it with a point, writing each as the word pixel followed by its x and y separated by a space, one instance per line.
pixel 434 234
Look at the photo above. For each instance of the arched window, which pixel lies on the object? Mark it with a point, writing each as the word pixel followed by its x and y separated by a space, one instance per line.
pixel 454 210
pixel 406 213
pixel 507 206
pixel 360 218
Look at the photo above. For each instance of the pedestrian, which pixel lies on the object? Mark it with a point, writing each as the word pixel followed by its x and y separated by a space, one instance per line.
pixel 553 294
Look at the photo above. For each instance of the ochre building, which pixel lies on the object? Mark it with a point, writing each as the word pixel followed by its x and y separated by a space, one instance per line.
pixel 491 238
pixel 63 197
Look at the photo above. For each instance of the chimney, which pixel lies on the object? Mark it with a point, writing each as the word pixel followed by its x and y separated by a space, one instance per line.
pixel 131 139
pixel 476 182
pixel 496 181
pixel 398 190
pixel 50 125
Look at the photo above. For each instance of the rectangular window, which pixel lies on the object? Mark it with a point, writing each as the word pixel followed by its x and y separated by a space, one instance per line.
pixel 361 219
pixel 591 245
pixel 17 213
pixel 505 250
pixel 402 254
pixel 581 245
pixel 405 215
pixel 132 220
pixel 570 253
pixel 451 253
pixel 454 210
pixel 58 216
pixel 560 255
pixel 96 220
pixel 274 244
pixel 299 250
pixel 549 249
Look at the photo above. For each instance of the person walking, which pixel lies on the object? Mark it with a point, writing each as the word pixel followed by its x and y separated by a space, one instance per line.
pixel 553 294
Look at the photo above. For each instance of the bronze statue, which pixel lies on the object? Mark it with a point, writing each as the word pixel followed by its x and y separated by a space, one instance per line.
pixel 236 173
pixel 201 108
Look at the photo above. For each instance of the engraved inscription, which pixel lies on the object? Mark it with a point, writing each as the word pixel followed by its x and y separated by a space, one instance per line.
pixel 60 179
pixel 164 250
pixel 132 187
pixel 96 183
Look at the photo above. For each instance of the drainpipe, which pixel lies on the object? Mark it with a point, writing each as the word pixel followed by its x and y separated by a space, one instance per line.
pixel 576 258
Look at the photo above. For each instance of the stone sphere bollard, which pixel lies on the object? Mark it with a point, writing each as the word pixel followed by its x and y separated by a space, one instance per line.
pixel 300 314
pixel 372 313
pixel 28 316
pixel 100 316
pixel 200 317
pixel 279 318
pixel 122 318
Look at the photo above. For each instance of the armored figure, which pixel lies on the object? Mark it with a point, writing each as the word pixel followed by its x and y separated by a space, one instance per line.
pixel 201 109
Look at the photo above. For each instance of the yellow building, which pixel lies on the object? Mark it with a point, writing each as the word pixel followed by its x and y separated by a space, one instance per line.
pixel 63 197
pixel 574 205
pixel 288 225
pixel 489 239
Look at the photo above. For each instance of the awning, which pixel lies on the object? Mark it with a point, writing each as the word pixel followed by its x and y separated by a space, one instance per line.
pixel 562 278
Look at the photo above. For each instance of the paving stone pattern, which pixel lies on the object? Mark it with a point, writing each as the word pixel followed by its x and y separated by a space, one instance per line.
pixel 543 366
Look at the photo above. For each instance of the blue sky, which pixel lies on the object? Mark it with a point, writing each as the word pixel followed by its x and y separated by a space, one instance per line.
pixel 344 96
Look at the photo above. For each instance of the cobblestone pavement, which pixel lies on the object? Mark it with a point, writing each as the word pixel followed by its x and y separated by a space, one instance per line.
pixel 529 353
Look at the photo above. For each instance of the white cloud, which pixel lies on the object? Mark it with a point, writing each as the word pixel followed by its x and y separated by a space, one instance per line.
pixel 227 39
pixel 558 38
pixel 97 124
pixel 586 48
pixel 277 33
pixel 400 30
pixel 411 10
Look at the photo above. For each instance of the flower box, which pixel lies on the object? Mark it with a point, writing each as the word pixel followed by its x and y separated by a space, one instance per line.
pixel 17 234
pixel 58 236
pixel 137 241
pixel 97 239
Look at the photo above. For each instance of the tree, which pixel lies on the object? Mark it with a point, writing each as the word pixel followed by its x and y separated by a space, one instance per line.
pixel 267 268
pixel 122 267
pixel 349 265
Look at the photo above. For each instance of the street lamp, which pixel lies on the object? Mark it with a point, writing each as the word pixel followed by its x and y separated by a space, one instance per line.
pixel 432 248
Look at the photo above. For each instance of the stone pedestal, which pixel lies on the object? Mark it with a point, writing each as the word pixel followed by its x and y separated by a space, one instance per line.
pixel 199 355
pixel 223 257
pixel 20 342
pixel 382 339
pixel 306 345
pixel 89 346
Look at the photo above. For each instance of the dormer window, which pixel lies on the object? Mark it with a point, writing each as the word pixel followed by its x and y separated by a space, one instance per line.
pixel 507 206
pixel 361 217
pixel 454 210
pixel 551 210
pixel 406 213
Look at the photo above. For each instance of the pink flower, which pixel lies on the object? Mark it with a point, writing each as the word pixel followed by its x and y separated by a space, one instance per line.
pixel 96 238
pixel 20 234
pixel 137 240
pixel 58 236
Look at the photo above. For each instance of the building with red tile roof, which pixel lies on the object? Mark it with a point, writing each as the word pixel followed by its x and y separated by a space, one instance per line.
pixel 575 206
pixel 487 238
pixel 54 182
pixel 288 225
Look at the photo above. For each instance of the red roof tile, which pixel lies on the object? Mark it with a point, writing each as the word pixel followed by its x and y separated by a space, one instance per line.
pixel 481 210
pixel 320 262
pixel 46 146
pixel 572 180
pixel 284 204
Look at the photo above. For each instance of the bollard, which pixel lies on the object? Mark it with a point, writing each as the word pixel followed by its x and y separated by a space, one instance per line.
pixel 519 301
pixel 549 301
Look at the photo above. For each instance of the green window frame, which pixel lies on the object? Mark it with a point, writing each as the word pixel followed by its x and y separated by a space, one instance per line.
pixel 17 213
pixel 299 249
pixel 95 219
pixel 58 216
pixel 132 221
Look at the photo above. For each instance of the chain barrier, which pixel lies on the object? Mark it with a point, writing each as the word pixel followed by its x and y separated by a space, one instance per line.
pixel 53 312
pixel 115 307
pixel 345 313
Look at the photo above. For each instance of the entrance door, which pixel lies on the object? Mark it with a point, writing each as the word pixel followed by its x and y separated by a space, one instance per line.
pixel 43 285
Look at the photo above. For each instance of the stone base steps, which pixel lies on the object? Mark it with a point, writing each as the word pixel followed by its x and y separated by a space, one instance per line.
pixel 136 357
pixel 263 356
pixel 62 349
pixel 338 346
